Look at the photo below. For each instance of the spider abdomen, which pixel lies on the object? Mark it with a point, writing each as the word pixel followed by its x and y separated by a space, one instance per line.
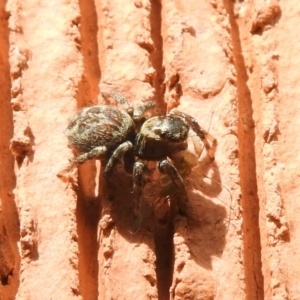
pixel 100 125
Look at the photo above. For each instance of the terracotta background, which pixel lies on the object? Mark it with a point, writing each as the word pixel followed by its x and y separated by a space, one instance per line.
pixel 234 66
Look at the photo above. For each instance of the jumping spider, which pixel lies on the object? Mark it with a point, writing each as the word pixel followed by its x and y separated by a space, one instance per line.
pixel 111 134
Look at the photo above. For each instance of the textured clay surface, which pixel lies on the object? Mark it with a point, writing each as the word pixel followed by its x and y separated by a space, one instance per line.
pixel 234 66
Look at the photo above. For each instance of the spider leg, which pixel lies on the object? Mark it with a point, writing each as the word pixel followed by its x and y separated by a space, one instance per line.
pixel 117 155
pixel 138 170
pixel 120 99
pixel 165 167
pixel 139 111
pixel 201 133
pixel 97 152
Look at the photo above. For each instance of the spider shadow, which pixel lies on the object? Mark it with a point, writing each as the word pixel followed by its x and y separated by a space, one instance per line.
pixel 206 221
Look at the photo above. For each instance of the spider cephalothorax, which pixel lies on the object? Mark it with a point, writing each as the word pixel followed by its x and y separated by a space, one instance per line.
pixel 161 136
pixel 111 134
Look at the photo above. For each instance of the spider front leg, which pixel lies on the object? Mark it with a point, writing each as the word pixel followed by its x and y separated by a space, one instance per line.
pixel 201 133
pixel 165 167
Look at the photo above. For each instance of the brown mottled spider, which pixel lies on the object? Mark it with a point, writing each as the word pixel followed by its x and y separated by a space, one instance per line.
pixel 111 134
